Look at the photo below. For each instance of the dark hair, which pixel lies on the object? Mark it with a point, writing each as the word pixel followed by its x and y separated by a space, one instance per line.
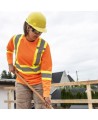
pixel 25 28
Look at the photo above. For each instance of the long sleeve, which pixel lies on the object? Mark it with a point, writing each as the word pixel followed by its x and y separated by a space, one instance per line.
pixel 9 53
pixel 46 71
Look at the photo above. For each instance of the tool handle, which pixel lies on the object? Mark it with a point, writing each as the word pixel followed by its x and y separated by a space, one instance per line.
pixel 41 98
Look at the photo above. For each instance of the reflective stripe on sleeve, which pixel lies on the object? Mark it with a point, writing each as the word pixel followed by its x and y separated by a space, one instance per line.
pixel 46 75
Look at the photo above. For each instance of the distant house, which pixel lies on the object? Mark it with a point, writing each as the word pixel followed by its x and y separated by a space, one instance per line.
pixel 4 92
pixel 57 77
pixel 70 78
pixel 60 77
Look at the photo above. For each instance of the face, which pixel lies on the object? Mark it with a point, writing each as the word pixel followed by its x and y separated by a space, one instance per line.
pixel 33 34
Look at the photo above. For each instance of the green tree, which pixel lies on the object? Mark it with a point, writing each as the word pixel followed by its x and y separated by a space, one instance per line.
pixel 84 94
pixel 14 76
pixel 4 74
pixel 9 75
pixel 66 94
pixel 78 95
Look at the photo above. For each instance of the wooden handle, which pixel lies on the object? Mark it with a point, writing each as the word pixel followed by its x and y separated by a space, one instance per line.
pixel 41 98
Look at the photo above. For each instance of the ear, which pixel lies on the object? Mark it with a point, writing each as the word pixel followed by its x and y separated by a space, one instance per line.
pixel 28 27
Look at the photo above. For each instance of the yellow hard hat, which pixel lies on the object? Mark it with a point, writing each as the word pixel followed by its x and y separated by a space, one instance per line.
pixel 37 20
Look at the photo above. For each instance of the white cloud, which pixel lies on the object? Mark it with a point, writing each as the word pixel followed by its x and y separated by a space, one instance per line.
pixel 50 5
pixel 72 37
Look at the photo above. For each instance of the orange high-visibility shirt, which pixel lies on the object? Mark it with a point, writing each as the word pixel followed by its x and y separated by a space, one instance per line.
pixel 25 56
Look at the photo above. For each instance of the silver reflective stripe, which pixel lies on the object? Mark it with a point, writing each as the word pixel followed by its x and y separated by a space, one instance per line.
pixel 27 69
pixel 23 68
pixel 16 42
pixel 46 75
pixel 40 49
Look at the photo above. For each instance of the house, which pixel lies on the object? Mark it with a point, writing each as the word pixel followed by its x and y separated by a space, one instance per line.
pixel 59 77
pixel 4 92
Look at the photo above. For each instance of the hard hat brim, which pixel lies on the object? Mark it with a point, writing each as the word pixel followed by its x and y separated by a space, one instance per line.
pixel 40 29
pixel 37 28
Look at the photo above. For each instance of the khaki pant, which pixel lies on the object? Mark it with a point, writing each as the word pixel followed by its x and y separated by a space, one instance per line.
pixel 24 97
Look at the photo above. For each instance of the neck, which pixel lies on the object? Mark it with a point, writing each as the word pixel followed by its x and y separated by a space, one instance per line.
pixel 29 39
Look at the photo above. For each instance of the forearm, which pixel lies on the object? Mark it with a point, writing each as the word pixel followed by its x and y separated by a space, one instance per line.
pixel 46 88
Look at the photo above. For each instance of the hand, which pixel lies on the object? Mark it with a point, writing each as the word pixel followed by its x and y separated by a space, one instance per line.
pixel 11 68
pixel 48 101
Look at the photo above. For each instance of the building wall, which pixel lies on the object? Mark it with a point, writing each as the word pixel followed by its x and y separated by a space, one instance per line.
pixel 3 97
pixel 64 78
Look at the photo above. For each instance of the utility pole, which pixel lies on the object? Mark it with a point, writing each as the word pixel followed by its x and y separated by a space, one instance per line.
pixel 77 75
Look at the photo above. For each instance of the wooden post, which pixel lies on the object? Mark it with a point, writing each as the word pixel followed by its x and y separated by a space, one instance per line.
pixel 89 97
pixel 9 98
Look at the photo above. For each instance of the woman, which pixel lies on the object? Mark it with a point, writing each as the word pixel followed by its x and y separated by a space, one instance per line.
pixel 32 61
